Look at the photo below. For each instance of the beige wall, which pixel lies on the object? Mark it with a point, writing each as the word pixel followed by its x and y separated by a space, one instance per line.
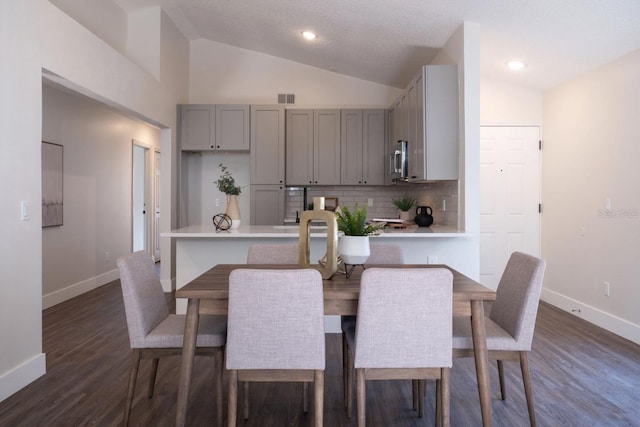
pixel 507 104
pixel 97 193
pixel 591 154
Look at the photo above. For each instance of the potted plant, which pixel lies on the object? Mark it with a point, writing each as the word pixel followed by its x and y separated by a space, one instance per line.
pixel 354 245
pixel 227 185
pixel 404 204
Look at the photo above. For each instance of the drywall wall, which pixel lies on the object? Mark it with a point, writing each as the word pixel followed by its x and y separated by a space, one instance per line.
pixel 81 254
pixel 503 103
pixel 222 74
pixel 591 216
pixel 37 36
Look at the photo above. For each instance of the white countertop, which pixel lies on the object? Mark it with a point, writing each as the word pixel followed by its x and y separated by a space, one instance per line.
pixel 292 231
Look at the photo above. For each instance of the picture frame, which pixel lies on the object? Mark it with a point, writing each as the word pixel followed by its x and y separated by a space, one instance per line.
pixel 52 184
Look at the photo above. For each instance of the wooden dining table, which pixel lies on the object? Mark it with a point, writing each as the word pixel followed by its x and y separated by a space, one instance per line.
pixel 209 294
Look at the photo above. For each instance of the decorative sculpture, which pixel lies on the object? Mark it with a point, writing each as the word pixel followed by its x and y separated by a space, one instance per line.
pixel 329 263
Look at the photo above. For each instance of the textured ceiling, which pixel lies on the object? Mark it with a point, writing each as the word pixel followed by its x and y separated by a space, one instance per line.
pixel 385 41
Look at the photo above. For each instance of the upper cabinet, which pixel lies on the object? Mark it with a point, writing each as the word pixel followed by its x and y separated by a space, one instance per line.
pixel 363 147
pixel 313 147
pixel 426 115
pixel 267 144
pixel 206 127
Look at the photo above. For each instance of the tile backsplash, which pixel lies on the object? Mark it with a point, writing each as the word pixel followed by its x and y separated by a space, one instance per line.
pixel 442 196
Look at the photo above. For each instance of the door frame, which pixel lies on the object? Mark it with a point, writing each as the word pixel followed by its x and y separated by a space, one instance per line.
pixel 147 195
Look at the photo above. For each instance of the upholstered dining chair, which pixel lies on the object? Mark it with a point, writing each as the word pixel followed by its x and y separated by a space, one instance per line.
pixel 272 254
pixel 402 334
pixel 154 333
pixel 511 322
pixel 380 254
pixel 276 331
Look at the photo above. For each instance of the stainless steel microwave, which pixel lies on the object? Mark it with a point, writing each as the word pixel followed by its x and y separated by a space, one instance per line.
pixel 399 159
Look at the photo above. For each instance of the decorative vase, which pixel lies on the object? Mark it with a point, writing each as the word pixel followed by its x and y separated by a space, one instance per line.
pixel 354 250
pixel 406 215
pixel 233 211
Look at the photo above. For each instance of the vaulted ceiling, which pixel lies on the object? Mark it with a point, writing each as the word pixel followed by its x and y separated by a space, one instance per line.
pixel 385 41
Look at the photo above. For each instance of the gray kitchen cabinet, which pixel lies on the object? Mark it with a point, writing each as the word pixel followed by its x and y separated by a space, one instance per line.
pixel 363 147
pixel 197 127
pixel 313 147
pixel 267 165
pixel 426 115
pixel 205 127
pixel 267 204
pixel 267 144
pixel 232 127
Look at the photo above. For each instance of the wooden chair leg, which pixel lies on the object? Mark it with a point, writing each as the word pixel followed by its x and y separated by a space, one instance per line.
pixel 439 402
pixel 133 376
pixel 219 371
pixel 318 393
pixel 503 391
pixel 528 391
pixel 445 391
pixel 422 391
pixel 233 398
pixel 152 377
pixel 245 400
pixel 414 394
pixel 361 397
pixel 349 383
pixel 305 397
pixel 345 367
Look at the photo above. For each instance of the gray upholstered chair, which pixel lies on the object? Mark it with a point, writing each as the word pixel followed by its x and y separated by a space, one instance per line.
pixel 273 254
pixel 276 331
pixel 154 333
pixel 380 254
pixel 511 321
pixel 403 331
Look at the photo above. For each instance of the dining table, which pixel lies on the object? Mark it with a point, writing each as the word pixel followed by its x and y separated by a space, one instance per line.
pixel 209 294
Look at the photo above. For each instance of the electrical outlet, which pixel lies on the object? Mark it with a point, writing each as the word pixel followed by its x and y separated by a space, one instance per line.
pixel 431 259
pixel 217 202
pixel 606 289
pixel 107 256
pixel 444 205
pixel 370 202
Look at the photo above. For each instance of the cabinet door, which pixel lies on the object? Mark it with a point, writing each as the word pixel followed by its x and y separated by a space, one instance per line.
pixel 326 147
pixel 197 127
pixel 373 153
pixel 414 121
pixel 267 144
pixel 232 127
pixel 267 204
pixel 299 143
pixel 351 147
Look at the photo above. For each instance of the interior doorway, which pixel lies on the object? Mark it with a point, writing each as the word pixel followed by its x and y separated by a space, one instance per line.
pixel 509 197
pixel 140 223
pixel 156 206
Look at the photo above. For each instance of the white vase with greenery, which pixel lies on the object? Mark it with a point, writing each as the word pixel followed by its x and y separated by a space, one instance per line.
pixel 227 185
pixel 354 245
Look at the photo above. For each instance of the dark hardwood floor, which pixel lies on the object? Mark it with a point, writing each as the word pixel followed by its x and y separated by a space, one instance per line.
pixel 582 376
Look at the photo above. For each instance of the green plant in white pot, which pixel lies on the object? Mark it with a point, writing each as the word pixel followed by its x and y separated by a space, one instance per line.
pixel 404 204
pixel 354 245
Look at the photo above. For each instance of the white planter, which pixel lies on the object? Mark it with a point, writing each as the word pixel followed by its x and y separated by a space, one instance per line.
pixel 406 215
pixel 354 249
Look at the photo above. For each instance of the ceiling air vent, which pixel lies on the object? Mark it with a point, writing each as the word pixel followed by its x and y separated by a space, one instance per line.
pixel 286 98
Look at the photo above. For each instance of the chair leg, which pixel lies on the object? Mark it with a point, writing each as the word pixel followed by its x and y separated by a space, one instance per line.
pixel 445 391
pixel 361 397
pixel 152 377
pixel 345 367
pixel 133 375
pixel 219 371
pixel 439 402
pixel 245 400
pixel 414 394
pixel 318 393
pixel 503 390
pixel 233 398
pixel 349 383
pixel 528 391
pixel 305 397
pixel 422 391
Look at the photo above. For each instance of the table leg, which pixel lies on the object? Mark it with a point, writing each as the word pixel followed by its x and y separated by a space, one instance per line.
pixel 188 353
pixel 480 352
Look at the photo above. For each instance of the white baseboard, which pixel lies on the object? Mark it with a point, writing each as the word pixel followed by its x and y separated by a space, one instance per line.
pixel 605 320
pixel 61 295
pixel 23 375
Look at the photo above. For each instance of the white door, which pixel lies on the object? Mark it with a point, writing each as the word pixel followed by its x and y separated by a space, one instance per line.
pixel 139 215
pixel 509 197
pixel 156 207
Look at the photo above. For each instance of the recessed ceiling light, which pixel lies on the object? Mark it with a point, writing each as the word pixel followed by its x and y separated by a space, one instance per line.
pixel 515 65
pixel 308 35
